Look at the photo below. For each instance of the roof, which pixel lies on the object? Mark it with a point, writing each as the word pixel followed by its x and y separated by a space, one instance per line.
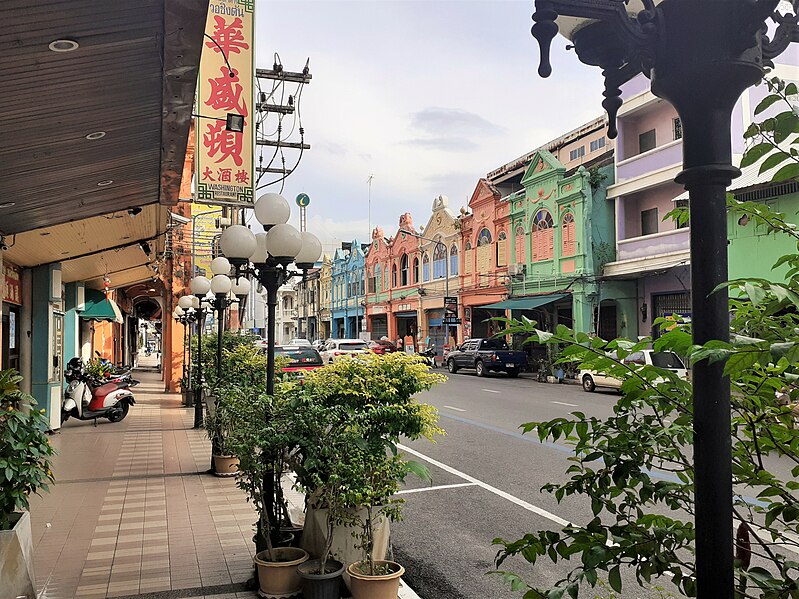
pixel 750 177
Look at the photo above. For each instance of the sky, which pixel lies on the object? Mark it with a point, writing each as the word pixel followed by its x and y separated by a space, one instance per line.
pixel 425 96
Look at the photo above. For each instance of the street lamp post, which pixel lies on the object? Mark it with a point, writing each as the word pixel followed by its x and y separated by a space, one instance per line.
pixel 441 244
pixel 186 315
pixel 700 56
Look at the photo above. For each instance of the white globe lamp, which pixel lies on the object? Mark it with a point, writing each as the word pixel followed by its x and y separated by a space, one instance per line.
pixel 185 302
pixel 283 243
pixel 310 252
pixel 272 209
pixel 221 285
pixel 260 254
pixel 220 266
pixel 179 311
pixel 241 287
pixel 195 301
pixel 200 286
pixel 237 243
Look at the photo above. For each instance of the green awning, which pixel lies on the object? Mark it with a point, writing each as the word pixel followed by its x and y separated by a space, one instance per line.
pixel 98 307
pixel 529 302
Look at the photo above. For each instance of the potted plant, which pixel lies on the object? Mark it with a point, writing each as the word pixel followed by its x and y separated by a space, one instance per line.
pixel 262 439
pixel 24 469
pixel 218 425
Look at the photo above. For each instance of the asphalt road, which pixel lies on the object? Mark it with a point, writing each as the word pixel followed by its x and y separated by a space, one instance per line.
pixel 486 481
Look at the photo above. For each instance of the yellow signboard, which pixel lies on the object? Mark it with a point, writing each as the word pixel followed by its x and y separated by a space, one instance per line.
pixel 225 87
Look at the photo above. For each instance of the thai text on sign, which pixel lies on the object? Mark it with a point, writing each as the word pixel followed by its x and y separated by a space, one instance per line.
pixel 224 157
pixel 12 285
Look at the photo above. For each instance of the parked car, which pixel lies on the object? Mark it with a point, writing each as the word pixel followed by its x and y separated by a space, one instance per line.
pixel 382 346
pixel 664 359
pixel 301 342
pixel 338 348
pixel 302 359
pixel 487 355
pixel 319 344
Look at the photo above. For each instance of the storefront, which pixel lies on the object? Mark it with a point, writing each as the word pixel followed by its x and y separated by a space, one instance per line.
pixel 11 306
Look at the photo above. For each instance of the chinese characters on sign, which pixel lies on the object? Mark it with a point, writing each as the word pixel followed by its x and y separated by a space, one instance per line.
pixel 225 158
pixel 12 286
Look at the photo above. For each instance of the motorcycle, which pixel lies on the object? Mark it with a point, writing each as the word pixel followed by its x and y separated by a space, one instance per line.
pixel 429 356
pixel 89 398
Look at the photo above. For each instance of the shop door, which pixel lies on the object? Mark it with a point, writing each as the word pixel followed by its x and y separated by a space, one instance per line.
pixel 668 304
pixel 379 327
pixel 11 337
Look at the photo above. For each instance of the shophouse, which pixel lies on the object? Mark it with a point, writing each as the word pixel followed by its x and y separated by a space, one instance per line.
pixel 308 305
pixel 394 269
pixel 325 296
pixel 286 313
pixel 652 264
pixel 349 291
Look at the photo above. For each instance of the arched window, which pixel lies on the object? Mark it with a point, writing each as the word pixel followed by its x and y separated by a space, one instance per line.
pixel 521 242
pixel 484 238
pixel 453 260
pixel 567 242
pixel 378 278
pixel 425 267
pixel 468 245
pixel 542 236
pixel 404 270
pixel 439 261
pixel 393 275
pixel 415 270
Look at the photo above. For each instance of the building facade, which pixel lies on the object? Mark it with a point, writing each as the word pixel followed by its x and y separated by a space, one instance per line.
pixel 348 291
pixel 325 297
pixel 308 302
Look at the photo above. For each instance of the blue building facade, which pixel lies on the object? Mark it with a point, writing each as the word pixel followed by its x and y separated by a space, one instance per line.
pixel 349 291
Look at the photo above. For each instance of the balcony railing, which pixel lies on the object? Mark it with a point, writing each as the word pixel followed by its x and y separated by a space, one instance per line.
pixel 666 242
pixel 659 158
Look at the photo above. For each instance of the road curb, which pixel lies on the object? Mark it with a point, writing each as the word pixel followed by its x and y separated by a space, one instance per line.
pixel 296 501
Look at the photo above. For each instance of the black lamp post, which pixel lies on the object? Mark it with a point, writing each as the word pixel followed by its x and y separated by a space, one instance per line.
pixel 185 314
pixel 700 55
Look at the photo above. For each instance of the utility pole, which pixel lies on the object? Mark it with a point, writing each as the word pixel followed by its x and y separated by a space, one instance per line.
pixel 369 203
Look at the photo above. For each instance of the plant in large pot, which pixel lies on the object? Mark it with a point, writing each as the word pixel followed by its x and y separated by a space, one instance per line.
pixel 263 438
pixel 24 469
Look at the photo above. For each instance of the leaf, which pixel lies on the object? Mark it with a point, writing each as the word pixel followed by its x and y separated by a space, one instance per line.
pixel 755 153
pixel 420 470
pixel 614 578
pixel 788 172
pixel 772 161
pixel 766 102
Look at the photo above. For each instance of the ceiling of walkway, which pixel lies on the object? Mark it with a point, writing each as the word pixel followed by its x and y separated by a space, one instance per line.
pixel 129 83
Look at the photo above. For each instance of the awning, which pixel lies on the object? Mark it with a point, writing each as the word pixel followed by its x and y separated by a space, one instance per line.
pixel 410 314
pixel 526 303
pixel 98 307
pixel 435 322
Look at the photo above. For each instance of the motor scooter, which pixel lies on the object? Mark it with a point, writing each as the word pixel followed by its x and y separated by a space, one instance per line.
pixel 430 356
pixel 87 398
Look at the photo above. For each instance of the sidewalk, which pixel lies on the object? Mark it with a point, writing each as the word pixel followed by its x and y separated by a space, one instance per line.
pixel 133 512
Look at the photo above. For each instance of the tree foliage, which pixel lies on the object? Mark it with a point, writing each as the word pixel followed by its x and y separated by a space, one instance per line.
pixel 635 468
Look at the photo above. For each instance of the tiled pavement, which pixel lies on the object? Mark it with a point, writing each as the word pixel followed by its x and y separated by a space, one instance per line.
pixel 133 513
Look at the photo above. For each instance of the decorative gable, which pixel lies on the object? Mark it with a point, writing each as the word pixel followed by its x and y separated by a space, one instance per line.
pixel 484 192
pixel 541 166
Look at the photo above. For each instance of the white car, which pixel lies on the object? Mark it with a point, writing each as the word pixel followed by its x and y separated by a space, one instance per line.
pixel 335 349
pixel 300 342
pixel 664 359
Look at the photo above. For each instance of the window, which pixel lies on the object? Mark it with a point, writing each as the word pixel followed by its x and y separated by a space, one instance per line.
pixel 542 236
pixel 567 240
pixel 439 261
pixel 502 249
pixel 577 153
pixel 676 124
pixel 453 260
pixel 425 267
pixel 520 242
pixel 416 270
pixel 468 245
pixel 378 278
pixel 647 141
pixel 649 221
pixel 597 144
pixel 393 275
pixel 484 238
pixel 404 270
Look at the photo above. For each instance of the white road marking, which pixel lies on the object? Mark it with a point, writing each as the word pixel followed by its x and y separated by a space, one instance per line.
pixel 563 403
pixel 520 502
pixel 455 486
pixel 454 408
pixel 490 391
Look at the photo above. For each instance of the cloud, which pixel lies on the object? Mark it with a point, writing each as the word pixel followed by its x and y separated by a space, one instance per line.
pixel 446 144
pixel 448 121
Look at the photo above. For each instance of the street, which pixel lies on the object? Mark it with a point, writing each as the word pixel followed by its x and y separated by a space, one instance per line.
pixel 486 481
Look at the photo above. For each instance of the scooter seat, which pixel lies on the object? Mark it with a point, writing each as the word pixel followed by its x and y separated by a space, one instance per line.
pixel 104 390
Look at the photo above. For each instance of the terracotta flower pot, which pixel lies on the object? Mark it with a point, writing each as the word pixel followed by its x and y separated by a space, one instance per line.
pixel 325 585
pixel 226 465
pixel 382 586
pixel 278 578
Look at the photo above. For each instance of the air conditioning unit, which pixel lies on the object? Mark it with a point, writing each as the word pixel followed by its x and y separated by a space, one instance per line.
pixel 517 270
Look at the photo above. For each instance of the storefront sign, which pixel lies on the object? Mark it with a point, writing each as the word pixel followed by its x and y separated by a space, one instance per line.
pixel 12 284
pixel 225 156
pixel 378 309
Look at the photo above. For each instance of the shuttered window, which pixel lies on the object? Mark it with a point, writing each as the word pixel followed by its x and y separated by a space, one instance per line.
pixel 521 240
pixel 502 249
pixel 468 264
pixel 568 243
pixel 542 238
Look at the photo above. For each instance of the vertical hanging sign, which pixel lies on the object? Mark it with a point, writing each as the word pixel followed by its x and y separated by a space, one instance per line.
pixel 225 94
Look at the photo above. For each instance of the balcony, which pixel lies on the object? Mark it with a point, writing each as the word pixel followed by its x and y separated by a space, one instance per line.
pixel 665 242
pixel 660 158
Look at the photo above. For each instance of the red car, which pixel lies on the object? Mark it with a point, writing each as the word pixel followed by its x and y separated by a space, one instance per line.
pixel 382 346
pixel 302 359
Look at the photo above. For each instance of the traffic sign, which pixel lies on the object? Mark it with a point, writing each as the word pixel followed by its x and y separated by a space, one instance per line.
pixel 303 200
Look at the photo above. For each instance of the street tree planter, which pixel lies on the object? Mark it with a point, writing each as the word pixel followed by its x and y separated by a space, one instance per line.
pixel 321 585
pixel 277 572
pixel 16 558
pixel 379 586
pixel 226 465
